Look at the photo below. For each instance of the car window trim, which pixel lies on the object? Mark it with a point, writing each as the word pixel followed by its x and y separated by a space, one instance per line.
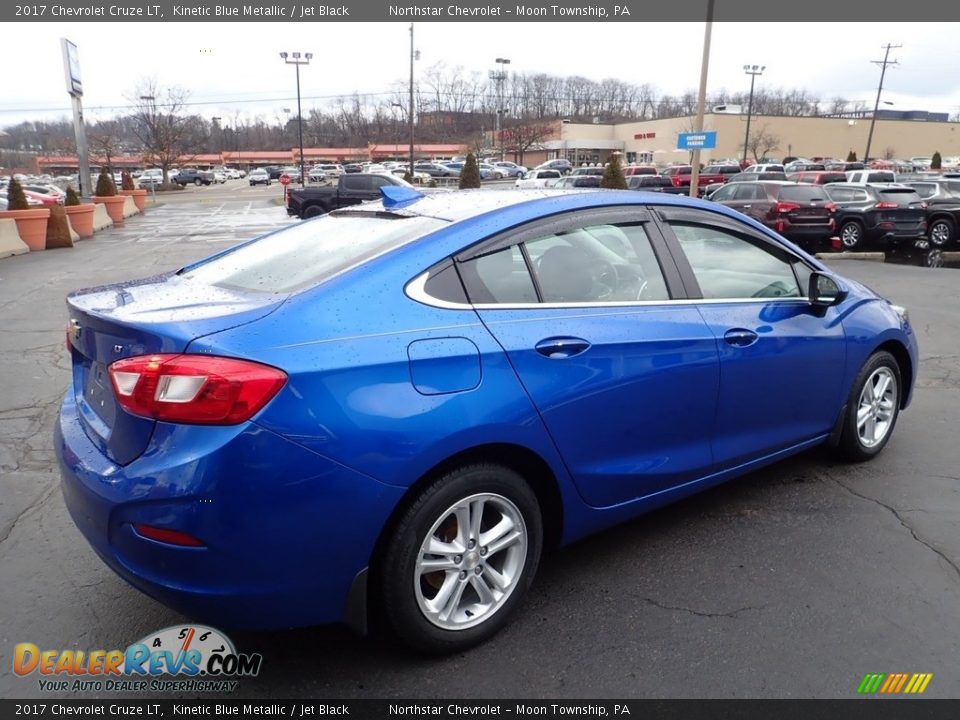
pixel 612 215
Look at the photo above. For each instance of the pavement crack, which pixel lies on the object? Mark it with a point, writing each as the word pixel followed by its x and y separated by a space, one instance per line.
pixel 698 613
pixel 896 513
pixel 29 510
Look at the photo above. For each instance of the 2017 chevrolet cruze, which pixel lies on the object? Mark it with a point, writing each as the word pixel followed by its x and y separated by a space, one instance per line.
pixel 395 408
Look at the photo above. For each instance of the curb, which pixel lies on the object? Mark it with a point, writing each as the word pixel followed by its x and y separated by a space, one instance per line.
pixel 869 256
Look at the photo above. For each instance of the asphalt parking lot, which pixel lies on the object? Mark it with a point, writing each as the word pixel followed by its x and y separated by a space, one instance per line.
pixel 794 581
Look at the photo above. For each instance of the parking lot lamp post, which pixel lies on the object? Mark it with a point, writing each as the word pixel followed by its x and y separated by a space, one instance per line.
pixel 498 76
pixel 414 55
pixel 296 59
pixel 752 71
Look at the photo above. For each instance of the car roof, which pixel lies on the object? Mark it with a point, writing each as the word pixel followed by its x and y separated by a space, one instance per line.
pixel 467 204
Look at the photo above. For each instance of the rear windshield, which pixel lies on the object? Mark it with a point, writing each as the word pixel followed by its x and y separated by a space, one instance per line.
pixel 803 193
pixel 306 254
pixel 901 196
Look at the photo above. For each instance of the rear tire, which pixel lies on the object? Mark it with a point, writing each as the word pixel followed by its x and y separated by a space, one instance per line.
pixel 872 408
pixel 480 526
pixel 198 182
pixel 313 211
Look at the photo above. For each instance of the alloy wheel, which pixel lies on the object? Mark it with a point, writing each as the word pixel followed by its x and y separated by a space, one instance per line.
pixel 876 408
pixel 470 561
pixel 940 233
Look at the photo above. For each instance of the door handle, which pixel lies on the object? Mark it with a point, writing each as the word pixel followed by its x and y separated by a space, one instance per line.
pixel 746 206
pixel 740 337
pixel 559 348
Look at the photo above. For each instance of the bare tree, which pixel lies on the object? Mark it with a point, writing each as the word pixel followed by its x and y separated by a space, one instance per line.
pixel 522 136
pixel 106 142
pixel 761 142
pixel 166 133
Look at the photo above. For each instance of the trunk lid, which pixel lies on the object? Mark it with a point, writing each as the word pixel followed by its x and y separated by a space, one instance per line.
pixel 156 315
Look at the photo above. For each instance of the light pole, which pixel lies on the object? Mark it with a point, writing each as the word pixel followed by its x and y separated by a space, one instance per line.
pixel 216 121
pixel 297 60
pixel 414 55
pixel 752 71
pixel 396 129
pixel 498 76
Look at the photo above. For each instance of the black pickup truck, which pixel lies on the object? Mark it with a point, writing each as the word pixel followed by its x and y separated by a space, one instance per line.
pixel 350 189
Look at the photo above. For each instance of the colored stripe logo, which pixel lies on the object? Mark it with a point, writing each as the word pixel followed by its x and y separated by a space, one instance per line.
pixel 894 683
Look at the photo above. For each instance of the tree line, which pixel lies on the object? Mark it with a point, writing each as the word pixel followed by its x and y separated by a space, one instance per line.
pixel 451 105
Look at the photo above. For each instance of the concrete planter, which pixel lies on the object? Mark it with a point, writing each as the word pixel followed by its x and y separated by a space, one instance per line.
pixel 114 206
pixel 81 218
pixel 32 226
pixel 139 197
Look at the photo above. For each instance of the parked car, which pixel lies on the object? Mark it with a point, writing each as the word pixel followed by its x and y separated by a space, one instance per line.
pixel 801 213
pixel 259 176
pixel 319 173
pixel 297 431
pixel 56 195
pixel 193 177
pixel 631 170
pixel 709 190
pixel 219 177
pixel 764 168
pixel 943 208
pixel 803 166
pixel 564 166
pixel 871 176
pixel 538 178
pixel 151 177
pixel 578 181
pixel 509 169
pixel 490 172
pixel 580 171
pixel 817 177
pixel 352 168
pixel 844 166
pixel 44 198
pixel 654 183
pixel 882 213
pixel 436 169
pixel 682 175
pixel 350 189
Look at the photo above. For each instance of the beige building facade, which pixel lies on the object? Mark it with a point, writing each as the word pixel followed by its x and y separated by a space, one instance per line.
pixel 656 140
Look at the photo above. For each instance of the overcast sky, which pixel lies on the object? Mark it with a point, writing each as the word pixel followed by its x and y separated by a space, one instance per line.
pixel 235 67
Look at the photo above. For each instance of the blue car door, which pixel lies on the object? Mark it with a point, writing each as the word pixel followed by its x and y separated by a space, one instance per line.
pixel 625 378
pixel 781 358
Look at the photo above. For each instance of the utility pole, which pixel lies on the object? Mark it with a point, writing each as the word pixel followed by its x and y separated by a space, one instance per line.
pixel 498 76
pixel 873 120
pixel 701 100
pixel 752 71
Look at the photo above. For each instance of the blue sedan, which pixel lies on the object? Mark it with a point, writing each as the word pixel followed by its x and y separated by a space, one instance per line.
pixel 392 410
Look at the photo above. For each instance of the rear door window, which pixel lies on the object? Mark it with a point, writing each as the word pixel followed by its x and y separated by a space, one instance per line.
pixel 803 193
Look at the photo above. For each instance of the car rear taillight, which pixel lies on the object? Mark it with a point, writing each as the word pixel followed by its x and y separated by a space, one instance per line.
pixel 195 389
pixel 168 536
pixel 884 205
pixel 785 207
pixel 831 207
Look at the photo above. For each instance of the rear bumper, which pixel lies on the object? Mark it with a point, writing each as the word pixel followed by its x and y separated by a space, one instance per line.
pixel 286 531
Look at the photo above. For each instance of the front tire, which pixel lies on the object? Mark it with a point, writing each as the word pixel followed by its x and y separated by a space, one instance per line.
pixel 940 232
pixel 851 235
pixel 872 408
pixel 461 559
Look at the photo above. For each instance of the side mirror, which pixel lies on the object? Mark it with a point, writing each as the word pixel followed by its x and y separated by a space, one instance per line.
pixel 824 290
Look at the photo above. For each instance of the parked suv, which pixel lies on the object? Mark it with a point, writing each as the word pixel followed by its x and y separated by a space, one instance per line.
pixel 801 213
pixel 943 208
pixel 817 177
pixel 878 213
pixel 260 176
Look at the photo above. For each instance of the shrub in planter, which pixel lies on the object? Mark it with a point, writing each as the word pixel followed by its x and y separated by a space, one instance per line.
pixel 105 185
pixel 58 229
pixel 613 174
pixel 80 215
pixel 16 199
pixel 31 221
pixel 126 181
pixel 936 162
pixel 470 175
